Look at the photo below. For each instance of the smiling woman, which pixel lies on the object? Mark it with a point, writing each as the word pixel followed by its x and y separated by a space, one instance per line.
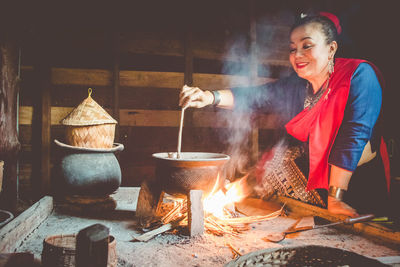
pixel 330 109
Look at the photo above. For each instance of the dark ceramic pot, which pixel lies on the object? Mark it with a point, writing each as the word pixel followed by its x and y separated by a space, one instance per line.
pixel 87 171
pixel 194 170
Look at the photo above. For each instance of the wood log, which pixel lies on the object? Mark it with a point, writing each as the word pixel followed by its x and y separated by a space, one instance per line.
pixel 17 259
pixel 9 144
pixel 195 213
pixel 15 232
pixel 92 246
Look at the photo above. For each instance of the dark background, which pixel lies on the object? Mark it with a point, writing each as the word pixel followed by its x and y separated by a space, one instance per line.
pixel 79 35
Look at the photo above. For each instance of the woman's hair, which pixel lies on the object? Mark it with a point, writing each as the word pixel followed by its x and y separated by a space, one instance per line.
pixel 328 27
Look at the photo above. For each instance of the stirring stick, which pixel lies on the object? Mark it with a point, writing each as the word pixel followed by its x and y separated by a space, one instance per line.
pixel 180 134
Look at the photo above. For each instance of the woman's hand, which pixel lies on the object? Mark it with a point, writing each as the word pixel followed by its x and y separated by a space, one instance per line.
pixel 337 206
pixel 194 97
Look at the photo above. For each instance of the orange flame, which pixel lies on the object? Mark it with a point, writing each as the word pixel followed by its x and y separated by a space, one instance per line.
pixel 217 202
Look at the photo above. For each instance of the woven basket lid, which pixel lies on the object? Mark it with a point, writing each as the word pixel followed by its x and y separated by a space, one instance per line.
pixel 88 113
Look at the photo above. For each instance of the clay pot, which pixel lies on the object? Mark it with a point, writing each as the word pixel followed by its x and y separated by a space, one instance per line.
pixel 194 170
pixel 87 171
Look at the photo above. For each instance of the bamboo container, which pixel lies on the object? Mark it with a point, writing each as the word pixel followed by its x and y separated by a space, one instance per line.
pixel 89 125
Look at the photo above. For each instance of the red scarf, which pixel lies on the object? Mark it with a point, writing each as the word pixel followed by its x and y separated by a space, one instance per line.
pixel 320 124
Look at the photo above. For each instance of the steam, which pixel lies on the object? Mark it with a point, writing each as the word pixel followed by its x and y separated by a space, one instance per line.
pixel 240 121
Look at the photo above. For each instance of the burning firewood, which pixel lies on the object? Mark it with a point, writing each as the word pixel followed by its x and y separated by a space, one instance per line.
pixel 176 212
pixel 220 217
pixel 235 251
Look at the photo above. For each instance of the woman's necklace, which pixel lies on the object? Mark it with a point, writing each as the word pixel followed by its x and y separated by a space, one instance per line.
pixel 311 98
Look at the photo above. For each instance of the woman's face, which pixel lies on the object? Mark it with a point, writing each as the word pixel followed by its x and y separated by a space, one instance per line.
pixel 309 53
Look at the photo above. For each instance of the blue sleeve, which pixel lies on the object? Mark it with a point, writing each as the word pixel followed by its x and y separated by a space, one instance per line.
pixel 284 97
pixel 361 113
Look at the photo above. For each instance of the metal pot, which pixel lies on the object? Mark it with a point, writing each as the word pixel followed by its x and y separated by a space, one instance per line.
pixel 87 171
pixel 193 170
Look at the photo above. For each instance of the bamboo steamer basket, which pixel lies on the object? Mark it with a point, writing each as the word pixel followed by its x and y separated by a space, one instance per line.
pixel 60 251
pixel 89 125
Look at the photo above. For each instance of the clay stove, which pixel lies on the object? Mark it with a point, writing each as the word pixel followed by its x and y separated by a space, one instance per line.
pixel 191 176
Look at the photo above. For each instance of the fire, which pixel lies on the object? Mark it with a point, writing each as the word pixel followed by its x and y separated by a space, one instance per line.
pixel 220 217
pixel 218 203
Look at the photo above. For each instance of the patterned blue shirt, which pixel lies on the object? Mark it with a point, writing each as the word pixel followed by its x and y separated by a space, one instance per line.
pixel 286 97
pixel 360 115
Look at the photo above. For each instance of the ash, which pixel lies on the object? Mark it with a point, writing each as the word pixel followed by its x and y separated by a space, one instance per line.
pixel 174 248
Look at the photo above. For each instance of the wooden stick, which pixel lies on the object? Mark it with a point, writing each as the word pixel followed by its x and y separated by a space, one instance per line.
pixel 149 235
pixel 234 250
pixel 180 134
pixel 180 207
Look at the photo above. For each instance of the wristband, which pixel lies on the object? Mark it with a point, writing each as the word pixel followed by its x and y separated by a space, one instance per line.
pixel 217 97
pixel 336 192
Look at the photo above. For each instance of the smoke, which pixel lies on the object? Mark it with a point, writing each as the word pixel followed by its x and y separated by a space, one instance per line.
pixel 241 127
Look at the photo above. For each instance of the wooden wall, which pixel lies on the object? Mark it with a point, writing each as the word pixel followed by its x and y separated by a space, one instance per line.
pixel 137 56
pixel 136 73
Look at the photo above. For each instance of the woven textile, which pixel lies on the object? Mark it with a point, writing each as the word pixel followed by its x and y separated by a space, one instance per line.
pixel 282 176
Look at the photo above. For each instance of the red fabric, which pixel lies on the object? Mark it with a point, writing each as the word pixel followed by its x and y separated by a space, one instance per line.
pixel 320 124
pixel 334 19
pixel 259 172
pixel 386 162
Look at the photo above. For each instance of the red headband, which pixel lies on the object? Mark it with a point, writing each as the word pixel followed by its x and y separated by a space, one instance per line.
pixel 334 19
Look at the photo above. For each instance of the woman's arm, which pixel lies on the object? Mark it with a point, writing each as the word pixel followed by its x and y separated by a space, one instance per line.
pixel 197 98
pixel 352 147
pixel 339 178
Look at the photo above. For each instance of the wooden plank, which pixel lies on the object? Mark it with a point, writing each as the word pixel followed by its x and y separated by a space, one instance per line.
pixel 116 81
pixel 370 229
pixel 88 77
pixel 253 73
pixel 9 144
pixel 195 213
pixel 157 79
pixel 162 118
pixel 188 55
pixel 156 118
pixel 152 79
pixel 15 232
pixel 152 44
pixel 45 82
pixel 150 234
pixel 219 81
